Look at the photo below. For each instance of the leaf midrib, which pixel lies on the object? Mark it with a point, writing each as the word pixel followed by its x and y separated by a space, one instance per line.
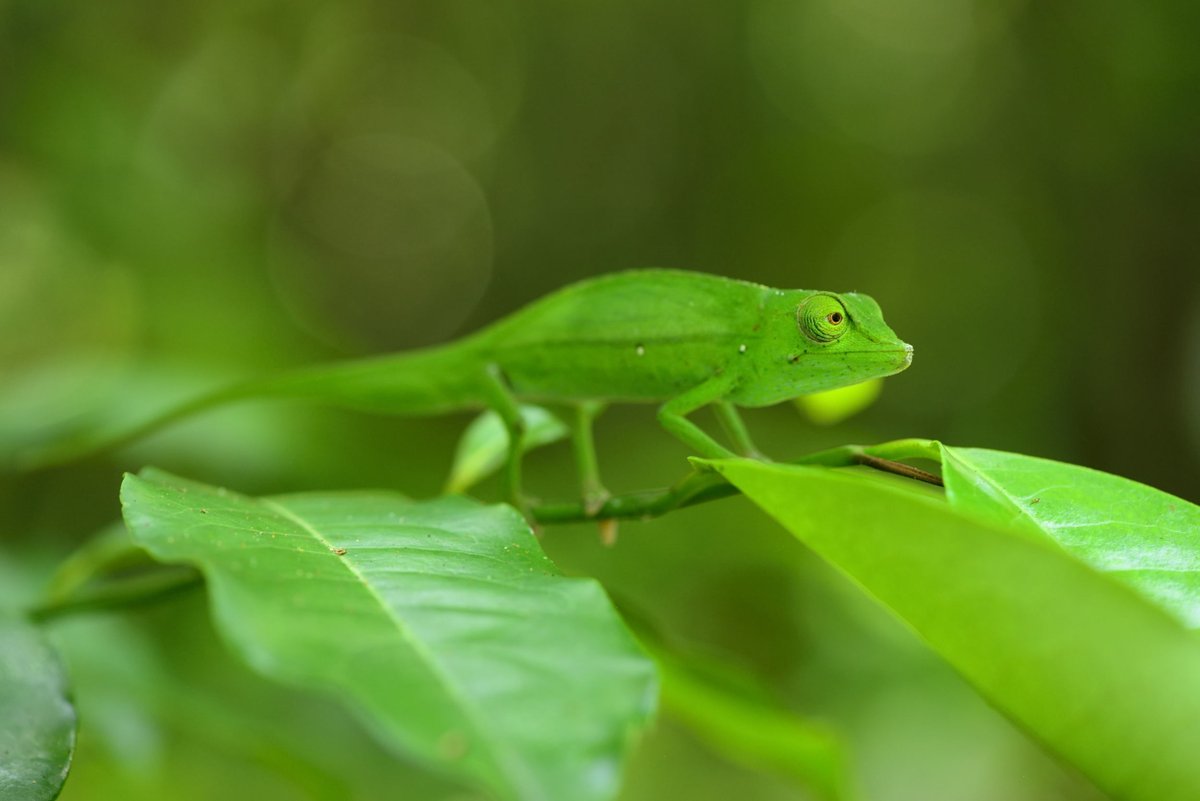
pixel 1021 510
pixel 1024 511
pixel 504 757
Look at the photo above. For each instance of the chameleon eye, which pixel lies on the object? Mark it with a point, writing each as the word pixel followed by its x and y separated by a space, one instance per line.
pixel 822 318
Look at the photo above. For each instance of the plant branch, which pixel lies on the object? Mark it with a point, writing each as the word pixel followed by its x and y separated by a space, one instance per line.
pixel 695 488
pixel 703 486
pixel 151 586
pixel 72 594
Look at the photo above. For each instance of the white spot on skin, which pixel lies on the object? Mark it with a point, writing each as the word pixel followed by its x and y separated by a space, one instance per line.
pixel 641 351
pixel 741 348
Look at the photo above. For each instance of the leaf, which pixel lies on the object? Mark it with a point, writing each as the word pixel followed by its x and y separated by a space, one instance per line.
pixel 726 708
pixel 442 621
pixel 835 405
pixel 37 720
pixel 1137 534
pixel 1104 678
pixel 484 444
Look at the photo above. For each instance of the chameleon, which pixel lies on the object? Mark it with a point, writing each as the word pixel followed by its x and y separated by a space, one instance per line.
pixel 683 340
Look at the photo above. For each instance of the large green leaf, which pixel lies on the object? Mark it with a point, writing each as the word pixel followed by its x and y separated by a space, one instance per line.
pixel 1138 534
pixel 37 720
pixel 442 621
pixel 1104 678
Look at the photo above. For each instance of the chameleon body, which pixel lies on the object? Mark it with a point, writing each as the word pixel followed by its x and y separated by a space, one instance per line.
pixel 634 337
pixel 681 339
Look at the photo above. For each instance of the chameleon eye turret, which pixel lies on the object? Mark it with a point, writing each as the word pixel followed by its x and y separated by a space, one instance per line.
pixel 822 318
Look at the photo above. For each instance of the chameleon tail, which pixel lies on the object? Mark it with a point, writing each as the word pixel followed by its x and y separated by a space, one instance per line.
pixel 419 383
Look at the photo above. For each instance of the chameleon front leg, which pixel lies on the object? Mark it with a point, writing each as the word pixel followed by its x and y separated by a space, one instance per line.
pixel 594 492
pixel 673 416
pixel 731 421
pixel 500 399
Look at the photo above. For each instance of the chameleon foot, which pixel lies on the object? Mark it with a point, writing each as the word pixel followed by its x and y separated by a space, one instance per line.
pixel 594 500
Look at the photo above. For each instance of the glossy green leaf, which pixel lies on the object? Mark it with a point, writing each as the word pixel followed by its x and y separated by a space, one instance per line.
pixel 442 621
pixel 738 718
pixel 1135 533
pixel 37 720
pixel 483 445
pixel 1101 676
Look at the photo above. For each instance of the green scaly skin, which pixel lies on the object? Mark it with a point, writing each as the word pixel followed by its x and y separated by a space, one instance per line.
pixel 680 339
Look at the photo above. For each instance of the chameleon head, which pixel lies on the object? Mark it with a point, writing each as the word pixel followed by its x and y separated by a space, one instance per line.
pixel 815 341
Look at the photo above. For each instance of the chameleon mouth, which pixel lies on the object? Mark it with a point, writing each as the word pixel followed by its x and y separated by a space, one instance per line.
pixel 895 359
pixel 905 350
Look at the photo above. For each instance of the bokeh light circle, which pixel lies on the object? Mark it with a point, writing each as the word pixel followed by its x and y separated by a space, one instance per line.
pixel 385 242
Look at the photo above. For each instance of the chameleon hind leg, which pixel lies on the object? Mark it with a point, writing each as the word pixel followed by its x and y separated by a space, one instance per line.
pixel 672 415
pixel 584 445
pixel 500 399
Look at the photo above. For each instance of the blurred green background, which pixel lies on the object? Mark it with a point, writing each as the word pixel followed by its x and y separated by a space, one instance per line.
pixel 198 191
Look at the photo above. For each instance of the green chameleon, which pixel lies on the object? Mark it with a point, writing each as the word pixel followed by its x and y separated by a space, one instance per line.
pixel 683 340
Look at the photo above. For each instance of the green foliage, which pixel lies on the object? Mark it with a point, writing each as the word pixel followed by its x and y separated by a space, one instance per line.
pixel 1101 676
pixel 195 193
pixel 485 442
pixel 37 719
pixel 445 626
pixel 442 621
pixel 1136 534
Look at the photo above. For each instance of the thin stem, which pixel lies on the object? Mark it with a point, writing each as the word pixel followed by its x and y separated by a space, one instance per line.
pixel 128 592
pixel 105 556
pixel 700 487
pixel 693 489
pixel 697 487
